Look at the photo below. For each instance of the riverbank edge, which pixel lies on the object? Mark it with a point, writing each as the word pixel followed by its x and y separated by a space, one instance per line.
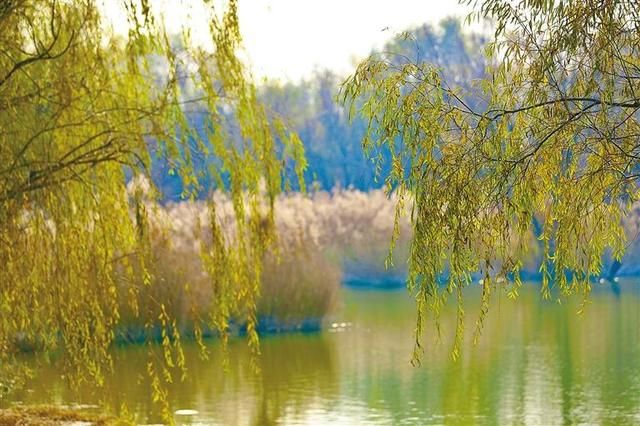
pixel 50 415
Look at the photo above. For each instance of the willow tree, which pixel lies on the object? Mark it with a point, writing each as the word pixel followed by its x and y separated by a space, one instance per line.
pixel 552 130
pixel 82 107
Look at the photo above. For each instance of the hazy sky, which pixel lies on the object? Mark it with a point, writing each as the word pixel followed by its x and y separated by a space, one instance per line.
pixel 287 39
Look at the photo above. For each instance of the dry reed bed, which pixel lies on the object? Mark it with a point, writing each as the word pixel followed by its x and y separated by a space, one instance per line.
pixel 319 234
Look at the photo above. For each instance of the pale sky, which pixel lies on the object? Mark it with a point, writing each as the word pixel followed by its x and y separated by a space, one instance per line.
pixel 288 39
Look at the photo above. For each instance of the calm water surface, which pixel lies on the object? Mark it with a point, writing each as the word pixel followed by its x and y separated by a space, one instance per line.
pixel 537 362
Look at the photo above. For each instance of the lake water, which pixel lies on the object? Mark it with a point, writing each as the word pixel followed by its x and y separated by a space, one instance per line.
pixel 538 362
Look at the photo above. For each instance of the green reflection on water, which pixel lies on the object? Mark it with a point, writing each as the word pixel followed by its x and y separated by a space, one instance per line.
pixel 538 362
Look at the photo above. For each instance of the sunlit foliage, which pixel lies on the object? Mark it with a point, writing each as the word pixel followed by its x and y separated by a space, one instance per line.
pixel 550 134
pixel 82 107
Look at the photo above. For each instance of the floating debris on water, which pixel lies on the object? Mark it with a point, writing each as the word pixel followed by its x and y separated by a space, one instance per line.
pixel 186 412
pixel 339 326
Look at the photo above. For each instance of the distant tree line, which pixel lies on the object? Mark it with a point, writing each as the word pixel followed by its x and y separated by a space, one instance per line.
pixel 333 142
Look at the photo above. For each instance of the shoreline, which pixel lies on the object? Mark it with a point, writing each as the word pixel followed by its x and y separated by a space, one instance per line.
pixel 51 415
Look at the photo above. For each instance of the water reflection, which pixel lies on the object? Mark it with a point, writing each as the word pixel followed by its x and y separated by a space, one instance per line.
pixel 537 363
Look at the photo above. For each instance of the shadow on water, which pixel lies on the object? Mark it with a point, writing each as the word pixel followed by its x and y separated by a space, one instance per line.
pixel 536 362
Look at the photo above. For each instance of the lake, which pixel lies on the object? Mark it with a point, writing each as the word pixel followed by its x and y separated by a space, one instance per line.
pixel 537 362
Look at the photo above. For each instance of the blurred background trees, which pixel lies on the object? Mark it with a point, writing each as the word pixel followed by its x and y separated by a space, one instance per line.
pixel 332 139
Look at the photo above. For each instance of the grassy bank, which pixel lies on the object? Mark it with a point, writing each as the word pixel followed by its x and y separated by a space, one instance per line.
pixel 51 416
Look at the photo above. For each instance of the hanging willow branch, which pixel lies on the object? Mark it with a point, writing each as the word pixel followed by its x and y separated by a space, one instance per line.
pixel 552 132
pixel 82 108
